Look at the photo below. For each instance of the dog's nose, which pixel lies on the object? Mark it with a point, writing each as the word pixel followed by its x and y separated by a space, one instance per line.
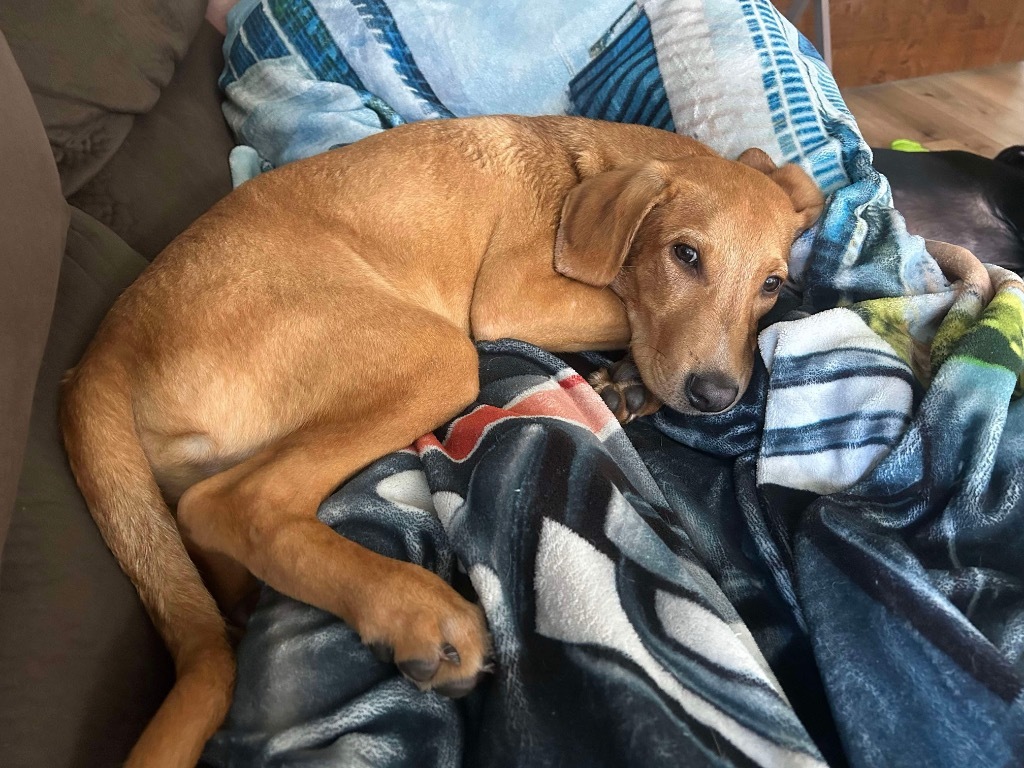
pixel 711 392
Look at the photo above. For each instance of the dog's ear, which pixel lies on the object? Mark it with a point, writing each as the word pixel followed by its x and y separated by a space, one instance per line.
pixel 601 217
pixel 807 199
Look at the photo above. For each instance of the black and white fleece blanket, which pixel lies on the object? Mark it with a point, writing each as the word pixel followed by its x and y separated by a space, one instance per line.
pixel 611 594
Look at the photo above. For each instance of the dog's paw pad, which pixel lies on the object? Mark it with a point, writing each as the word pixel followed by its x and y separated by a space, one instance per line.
pixel 636 397
pixel 625 372
pixel 419 670
pixel 456 689
pixel 611 397
pixel 622 390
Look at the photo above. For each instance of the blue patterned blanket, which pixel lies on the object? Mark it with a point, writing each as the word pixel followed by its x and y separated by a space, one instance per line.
pixel 827 574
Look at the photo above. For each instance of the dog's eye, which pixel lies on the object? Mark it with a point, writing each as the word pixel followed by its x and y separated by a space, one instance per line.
pixel 772 284
pixel 686 254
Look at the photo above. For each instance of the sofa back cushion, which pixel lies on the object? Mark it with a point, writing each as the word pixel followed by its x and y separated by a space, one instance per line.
pixel 174 163
pixel 93 65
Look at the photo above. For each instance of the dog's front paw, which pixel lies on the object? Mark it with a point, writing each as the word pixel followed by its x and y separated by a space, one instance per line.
pixel 436 638
pixel 623 391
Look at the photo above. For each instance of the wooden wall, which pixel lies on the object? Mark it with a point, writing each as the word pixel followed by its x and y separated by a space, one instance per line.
pixel 875 41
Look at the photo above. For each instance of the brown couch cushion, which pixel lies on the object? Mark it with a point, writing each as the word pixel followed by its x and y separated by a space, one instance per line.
pixel 174 163
pixel 33 221
pixel 81 668
pixel 93 65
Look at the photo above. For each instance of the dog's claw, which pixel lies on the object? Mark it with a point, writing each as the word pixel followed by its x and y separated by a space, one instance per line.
pixel 451 654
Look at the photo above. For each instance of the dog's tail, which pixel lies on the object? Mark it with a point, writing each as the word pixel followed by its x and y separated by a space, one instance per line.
pixel 115 477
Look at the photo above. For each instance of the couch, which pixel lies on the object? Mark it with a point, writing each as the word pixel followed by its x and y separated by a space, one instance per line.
pixel 112 142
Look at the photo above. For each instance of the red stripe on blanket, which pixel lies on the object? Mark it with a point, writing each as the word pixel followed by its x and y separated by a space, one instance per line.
pixel 573 400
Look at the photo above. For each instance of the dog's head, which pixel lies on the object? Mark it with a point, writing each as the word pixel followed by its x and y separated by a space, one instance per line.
pixel 697 250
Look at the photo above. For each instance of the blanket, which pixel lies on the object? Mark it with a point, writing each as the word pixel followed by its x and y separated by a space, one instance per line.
pixel 826 574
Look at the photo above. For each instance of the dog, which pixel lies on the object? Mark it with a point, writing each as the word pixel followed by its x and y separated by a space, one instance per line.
pixel 323 315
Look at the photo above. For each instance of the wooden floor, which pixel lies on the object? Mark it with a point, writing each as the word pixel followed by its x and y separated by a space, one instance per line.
pixel 979 110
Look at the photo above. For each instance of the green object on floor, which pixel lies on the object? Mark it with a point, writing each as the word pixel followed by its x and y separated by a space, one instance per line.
pixel 907 145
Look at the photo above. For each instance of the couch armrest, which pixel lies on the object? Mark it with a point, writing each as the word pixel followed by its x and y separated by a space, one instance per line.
pixel 33 225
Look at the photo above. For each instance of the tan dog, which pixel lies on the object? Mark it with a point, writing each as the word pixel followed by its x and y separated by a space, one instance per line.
pixel 322 316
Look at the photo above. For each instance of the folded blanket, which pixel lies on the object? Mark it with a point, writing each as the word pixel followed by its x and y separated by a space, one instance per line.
pixel 827 573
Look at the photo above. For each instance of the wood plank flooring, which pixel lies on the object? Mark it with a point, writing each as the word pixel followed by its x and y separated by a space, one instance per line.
pixel 979 110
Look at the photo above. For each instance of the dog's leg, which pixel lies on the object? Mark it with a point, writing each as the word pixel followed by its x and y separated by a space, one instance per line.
pixel 262 513
pixel 537 305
